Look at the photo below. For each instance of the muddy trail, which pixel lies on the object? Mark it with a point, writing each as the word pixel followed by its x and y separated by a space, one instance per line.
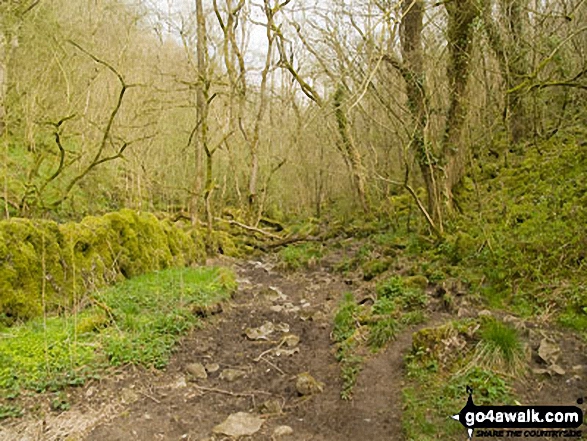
pixel 219 371
pixel 259 375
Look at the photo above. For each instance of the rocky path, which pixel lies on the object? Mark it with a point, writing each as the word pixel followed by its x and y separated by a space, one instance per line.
pixel 220 371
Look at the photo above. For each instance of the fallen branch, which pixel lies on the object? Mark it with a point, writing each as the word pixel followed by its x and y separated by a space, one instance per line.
pixel 249 228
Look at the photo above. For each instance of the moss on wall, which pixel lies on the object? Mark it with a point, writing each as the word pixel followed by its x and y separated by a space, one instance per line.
pixel 45 266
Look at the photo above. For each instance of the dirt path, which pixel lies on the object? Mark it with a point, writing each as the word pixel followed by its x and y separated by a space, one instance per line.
pixel 170 406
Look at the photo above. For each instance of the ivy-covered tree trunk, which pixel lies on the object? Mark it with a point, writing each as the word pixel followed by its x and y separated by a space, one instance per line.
pixel 461 16
pixel 413 73
pixel 349 149
pixel 511 55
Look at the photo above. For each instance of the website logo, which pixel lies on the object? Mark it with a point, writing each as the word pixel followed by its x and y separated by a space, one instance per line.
pixel 515 421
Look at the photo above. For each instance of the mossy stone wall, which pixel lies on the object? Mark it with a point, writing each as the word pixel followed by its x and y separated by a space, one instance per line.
pixel 46 266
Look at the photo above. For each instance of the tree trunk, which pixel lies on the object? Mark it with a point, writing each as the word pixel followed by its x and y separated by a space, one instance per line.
pixel 201 111
pixel 414 77
pixel 512 61
pixel 3 80
pixel 350 150
pixel 461 14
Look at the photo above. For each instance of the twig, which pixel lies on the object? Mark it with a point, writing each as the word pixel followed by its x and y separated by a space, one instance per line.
pixel 150 396
pixel 274 366
pixel 269 351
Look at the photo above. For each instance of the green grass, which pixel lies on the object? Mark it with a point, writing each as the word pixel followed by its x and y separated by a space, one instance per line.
pixel 138 321
pixel 296 257
pixel 500 347
pixel 343 334
pixel 382 332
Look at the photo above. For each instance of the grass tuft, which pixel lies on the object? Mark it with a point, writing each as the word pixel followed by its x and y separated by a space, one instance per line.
pixel 500 348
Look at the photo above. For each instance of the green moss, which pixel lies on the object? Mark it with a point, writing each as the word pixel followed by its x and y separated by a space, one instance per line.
pixel 419 282
pixel 373 268
pixel 45 266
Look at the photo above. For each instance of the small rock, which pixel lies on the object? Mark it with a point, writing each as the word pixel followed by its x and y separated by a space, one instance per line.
pixel 308 385
pixel 318 316
pixel 212 367
pixel 239 424
pixel 90 391
pixel 485 313
pixel 556 369
pixel 281 431
pixel 540 371
pixel 271 406
pixel 548 351
pixel 291 340
pixel 276 308
pixel 289 307
pixel 147 416
pixel 274 294
pixel 260 333
pixel 286 352
pixel 180 383
pixel 282 327
pixel 579 368
pixel 196 371
pixel 231 375
pixel 306 315
pixel 128 396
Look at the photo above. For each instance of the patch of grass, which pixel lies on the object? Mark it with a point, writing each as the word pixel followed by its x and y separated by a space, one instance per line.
pixel 343 334
pixel 138 321
pixel 153 310
pixel 409 298
pixel 382 332
pixel 295 257
pixel 500 347
pixel 345 318
pixel 44 355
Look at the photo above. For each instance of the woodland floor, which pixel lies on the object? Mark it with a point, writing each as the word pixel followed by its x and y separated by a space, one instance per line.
pixel 134 404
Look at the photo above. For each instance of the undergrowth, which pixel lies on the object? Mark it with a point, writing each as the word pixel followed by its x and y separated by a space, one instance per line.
pixel 296 257
pixel 137 321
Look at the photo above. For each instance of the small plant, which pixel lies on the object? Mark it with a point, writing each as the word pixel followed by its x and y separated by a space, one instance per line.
pixel 408 298
pixel 9 411
pixel 500 347
pixel 390 288
pixel 60 403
